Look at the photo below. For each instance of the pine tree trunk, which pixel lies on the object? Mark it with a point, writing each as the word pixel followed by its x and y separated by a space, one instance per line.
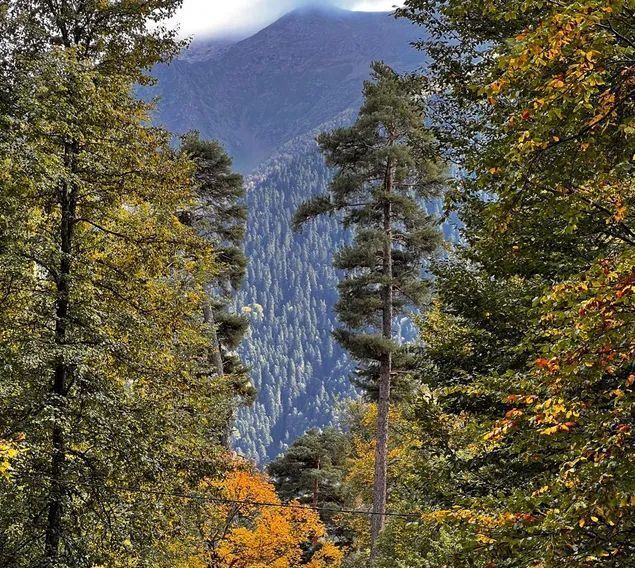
pixel 217 355
pixel 217 359
pixel 383 404
pixel 316 500
pixel 62 371
pixel 316 488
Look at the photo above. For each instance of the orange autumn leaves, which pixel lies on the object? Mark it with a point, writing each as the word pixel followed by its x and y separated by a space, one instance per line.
pixel 583 323
pixel 253 529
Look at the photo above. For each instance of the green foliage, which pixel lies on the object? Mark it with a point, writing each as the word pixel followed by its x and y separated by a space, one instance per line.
pixel 220 214
pixel 267 111
pixel 511 443
pixel 525 410
pixel 220 217
pixel 385 167
pixel 114 36
pixel 298 369
pixel 388 139
pixel 311 471
pixel 105 372
pixel 544 122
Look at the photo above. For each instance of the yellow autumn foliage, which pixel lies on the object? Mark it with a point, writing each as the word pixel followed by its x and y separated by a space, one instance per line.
pixel 8 452
pixel 249 527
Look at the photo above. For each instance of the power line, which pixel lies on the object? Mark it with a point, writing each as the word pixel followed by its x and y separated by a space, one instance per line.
pixel 224 501
pixel 263 504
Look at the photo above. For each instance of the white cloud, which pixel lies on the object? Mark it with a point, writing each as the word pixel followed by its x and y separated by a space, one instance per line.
pixel 376 5
pixel 239 17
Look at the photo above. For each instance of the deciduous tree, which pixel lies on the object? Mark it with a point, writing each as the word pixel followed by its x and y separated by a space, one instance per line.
pixel 250 527
pixel 104 352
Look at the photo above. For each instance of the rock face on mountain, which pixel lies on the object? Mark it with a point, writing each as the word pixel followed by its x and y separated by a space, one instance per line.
pixel 265 98
pixel 282 82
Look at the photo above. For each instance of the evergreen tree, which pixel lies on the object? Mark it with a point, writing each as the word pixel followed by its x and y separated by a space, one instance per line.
pixel 311 471
pixel 385 167
pixel 220 217
pixel 525 417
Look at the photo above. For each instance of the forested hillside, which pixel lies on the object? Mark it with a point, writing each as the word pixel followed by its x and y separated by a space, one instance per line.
pixel 266 98
pixel 511 441
pixel 495 426
pixel 299 371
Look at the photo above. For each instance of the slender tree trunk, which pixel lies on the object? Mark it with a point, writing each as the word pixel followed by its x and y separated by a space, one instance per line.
pixel 316 484
pixel 383 404
pixel 316 498
pixel 316 492
pixel 62 371
pixel 217 355
pixel 217 360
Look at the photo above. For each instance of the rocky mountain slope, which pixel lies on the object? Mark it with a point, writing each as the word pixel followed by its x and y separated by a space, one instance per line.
pixel 284 81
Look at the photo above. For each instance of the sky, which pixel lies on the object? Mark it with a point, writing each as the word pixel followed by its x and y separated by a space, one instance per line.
pixel 236 18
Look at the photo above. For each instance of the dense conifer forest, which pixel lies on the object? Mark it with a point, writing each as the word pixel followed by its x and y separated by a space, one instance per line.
pixel 465 401
pixel 267 97
pixel 299 370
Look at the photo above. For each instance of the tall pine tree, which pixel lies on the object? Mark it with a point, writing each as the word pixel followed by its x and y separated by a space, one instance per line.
pixel 385 168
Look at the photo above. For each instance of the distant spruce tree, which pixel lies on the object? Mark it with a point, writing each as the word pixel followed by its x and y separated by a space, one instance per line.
pixel 386 166
pixel 311 471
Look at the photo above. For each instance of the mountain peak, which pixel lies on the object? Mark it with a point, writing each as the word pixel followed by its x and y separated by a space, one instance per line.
pixel 319 8
pixel 327 9
pixel 314 11
pixel 299 72
pixel 265 98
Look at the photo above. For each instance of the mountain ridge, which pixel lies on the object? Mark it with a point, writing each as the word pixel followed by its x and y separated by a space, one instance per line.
pixel 258 93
